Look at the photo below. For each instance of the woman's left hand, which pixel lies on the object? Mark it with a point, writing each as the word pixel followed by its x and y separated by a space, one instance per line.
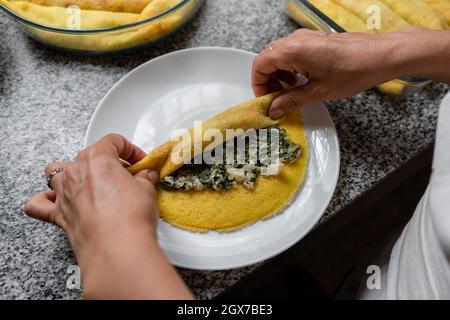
pixel 109 217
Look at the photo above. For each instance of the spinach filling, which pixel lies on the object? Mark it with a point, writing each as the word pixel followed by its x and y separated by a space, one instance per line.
pixel 222 176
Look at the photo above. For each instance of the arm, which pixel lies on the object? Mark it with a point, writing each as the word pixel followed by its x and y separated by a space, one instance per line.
pixel 109 217
pixel 422 53
pixel 341 65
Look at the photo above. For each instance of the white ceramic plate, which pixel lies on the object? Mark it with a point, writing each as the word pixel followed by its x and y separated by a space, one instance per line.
pixel 174 90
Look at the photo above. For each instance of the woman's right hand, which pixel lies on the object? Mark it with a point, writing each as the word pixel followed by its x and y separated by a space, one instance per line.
pixel 341 65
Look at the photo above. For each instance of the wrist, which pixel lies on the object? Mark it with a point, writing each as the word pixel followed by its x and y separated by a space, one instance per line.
pixel 131 269
pixel 418 52
pixel 107 260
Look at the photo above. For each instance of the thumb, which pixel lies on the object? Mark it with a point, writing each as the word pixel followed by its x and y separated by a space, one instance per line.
pixel 293 98
pixel 148 176
pixel 42 207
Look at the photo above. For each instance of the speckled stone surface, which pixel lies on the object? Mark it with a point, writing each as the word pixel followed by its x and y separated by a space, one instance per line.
pixel 47 99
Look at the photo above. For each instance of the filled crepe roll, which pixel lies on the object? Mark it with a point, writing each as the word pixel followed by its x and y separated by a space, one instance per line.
pixel 224 211
pixel 62 18
pixel 224 196
pixel 131 6
pixel 157 6
pixel 419 13
pixel 251 114
pixel 389 20
pixel 441 6
pixel 341 16
pixel 122 39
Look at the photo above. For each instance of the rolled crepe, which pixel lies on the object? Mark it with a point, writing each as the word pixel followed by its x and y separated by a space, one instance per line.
pixel 251 114
pixel 118 40
pixel 441 6
pixel 157 6
pixel 113 41
pixel 394 87
pixel 419 13
pixel 341 16
pixel 131 6
pixel 390 21
pixel 204 210
pixel 61 17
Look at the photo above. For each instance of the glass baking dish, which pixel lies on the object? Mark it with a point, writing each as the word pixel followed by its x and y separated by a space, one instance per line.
pixel 307 15
pixel 118 39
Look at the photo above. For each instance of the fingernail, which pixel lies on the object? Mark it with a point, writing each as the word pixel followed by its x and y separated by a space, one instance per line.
pixel 153 176
pixel 276 113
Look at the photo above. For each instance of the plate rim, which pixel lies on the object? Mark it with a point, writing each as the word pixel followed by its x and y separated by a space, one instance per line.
pixel 298 238
pixel 281 249
pixel 143 65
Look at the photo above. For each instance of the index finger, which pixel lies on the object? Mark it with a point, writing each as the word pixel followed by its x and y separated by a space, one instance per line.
pixel 118 146
pixel 263 66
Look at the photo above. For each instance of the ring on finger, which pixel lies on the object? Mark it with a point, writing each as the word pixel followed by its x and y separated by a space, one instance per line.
pixel 51 175
pixel 270 46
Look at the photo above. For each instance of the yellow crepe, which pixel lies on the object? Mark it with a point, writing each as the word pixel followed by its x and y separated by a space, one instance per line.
pixel 111 41
pixel 59 16
pixel 93 15
pixel 390 21
pixel 237 207
pixel 341 16
pixel 205 210
pixel 251 114
pixel 441 6
pixel 131 6
pixel 158 6
pixel 419 13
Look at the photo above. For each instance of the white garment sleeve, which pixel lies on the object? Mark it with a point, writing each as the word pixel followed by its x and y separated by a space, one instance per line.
pixel 419 265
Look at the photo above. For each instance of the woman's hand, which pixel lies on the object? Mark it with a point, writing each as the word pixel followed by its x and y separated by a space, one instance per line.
pixel 95 195
pixel 110 217
pixel 341 65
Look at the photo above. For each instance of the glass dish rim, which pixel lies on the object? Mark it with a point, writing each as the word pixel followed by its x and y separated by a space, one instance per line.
pixel 92 31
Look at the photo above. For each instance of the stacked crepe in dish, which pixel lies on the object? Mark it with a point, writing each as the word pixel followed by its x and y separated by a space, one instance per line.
pixel 395 15
pixel 392 15
pixel 93 14
pixel 204 210
pixel 73 15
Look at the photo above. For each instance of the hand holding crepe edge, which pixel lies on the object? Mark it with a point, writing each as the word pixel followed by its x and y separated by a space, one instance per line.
pixel 251 114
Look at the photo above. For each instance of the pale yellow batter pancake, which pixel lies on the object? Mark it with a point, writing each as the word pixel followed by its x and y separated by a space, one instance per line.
pixel 390 20
pixel 206 210
pixel 341 16
pixel 59 16
pixel 251 114
pixel 131 6
pixel 418 13
pixel 441 6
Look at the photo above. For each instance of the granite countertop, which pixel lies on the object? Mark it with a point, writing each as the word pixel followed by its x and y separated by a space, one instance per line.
pixel 47 99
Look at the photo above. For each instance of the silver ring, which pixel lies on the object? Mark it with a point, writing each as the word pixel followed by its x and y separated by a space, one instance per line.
pixel 51 175
pixel 302 80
